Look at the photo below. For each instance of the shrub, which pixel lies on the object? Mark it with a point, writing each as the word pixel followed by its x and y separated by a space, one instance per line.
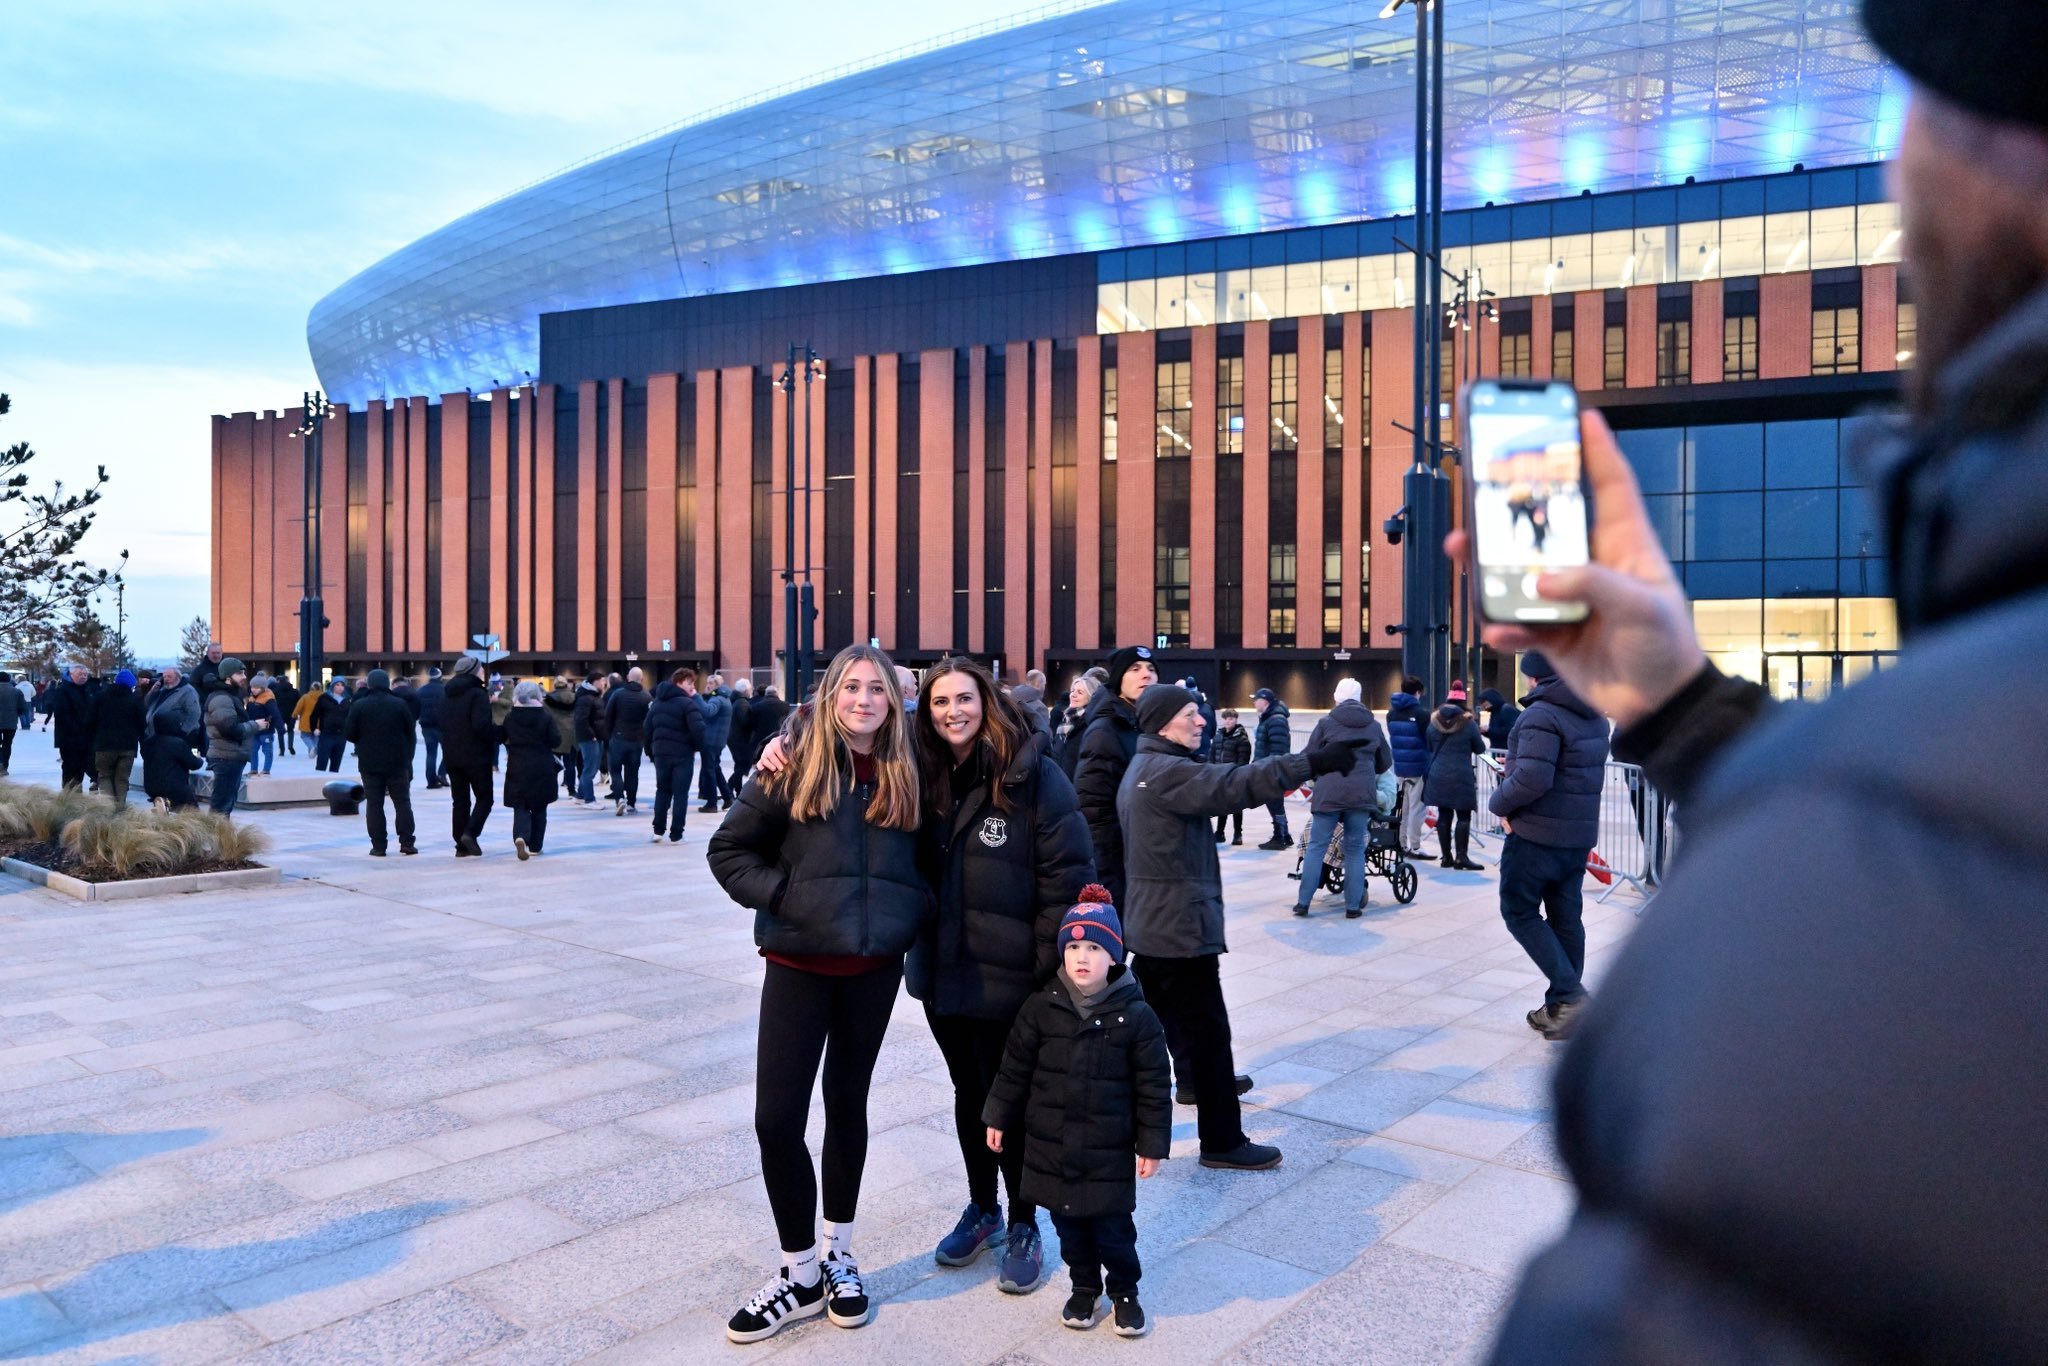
pixel 102 842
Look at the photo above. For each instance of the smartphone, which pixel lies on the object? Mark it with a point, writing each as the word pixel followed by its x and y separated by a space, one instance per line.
pixel 1526 505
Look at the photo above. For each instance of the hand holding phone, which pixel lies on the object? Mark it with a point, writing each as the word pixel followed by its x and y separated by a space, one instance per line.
pixel 1527 505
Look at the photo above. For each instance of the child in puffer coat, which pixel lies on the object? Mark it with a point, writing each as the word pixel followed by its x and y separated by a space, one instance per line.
pixel 1086 1073
pixel 168 763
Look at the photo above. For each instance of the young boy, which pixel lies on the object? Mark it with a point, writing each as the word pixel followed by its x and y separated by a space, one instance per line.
pixel 1233 749
pixel 1086 1072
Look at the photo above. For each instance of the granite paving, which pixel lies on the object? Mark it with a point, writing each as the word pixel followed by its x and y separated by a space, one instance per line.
pixel 430 1110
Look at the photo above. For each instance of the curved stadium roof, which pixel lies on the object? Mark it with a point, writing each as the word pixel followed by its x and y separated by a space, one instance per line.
pixel 1113 125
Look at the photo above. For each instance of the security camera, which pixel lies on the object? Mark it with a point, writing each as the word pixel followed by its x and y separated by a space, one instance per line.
pixel 1396 527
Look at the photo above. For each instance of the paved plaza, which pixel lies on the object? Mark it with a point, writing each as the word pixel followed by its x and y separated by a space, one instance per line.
pixel 422 1110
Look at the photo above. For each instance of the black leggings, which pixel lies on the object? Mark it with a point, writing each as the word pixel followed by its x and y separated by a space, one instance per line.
pixel 973 1050
pixel 806 1015
pixel 1453 832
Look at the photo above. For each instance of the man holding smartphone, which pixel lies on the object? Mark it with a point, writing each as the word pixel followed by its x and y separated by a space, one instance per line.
pixel 1805 1111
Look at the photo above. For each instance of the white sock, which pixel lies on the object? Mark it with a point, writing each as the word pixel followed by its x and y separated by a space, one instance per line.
pixel 839 1239
pixel 802 1267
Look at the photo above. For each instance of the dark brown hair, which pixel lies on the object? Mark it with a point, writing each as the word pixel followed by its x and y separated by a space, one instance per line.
pixel 1004 731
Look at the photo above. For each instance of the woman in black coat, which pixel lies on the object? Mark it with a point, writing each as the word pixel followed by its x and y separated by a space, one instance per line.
pixel 531 736
pixel 1452 738
pixel 330 724
pixel 1072 723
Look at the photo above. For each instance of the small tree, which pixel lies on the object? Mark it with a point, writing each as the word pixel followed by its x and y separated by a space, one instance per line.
pixel 42 577
pixel 192 645
pixel 93 643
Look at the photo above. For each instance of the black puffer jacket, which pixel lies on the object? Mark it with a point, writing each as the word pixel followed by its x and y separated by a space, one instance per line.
pixel 168 762
pixel 71 715
pixel 1174 906
pixel 675 724
pixel 1500 717
pixel 1274 735
pixel 379 724
pixel 1086 1095
pixel 588 716
pixel 1107 747
pixel 330 711
pixel 116 720
pixel 832 886
pixel 765 720
pixel 1233 747
pixel 625 712
pixel 1004 880
pixel 431 694
pixel 1556 768
pixel 1357 790
pixel 1453 738
pixel 468 734
pixel 530 766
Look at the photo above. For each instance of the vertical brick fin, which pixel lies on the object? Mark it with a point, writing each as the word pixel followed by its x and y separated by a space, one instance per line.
pixel 232 625
pixel 1539 337
pixel 707 513
pixel 500 533
pixel 587 563
pixel 1258 463
pixel 1040 572
pixel 1785 326
pixel 1354 490
pixel 218 528
pixel 262 489
pixel 1880 340
pixel 1393 452
pixel 814 478
pixel 661 511
pixel 1308 489
pixel 373 537
pixel 397 486
pixel 416 589
pixel 1707 316
pixel 544 518
pixel 614 516
pixel 977 492
pixel 454 524
pixel 864 538
pixel 778 510
pixel 1640 357
pixel 1137 363
pixel 1589 340
pixel 1016 495
pixel 1202 494
pixel 334 529
pixel 935 498
pixel 288 514
pixel 884 531
pixel 736 532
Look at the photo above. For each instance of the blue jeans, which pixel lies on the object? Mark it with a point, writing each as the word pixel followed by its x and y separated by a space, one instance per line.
pixel 227 783
pixel 430 736
pixel 1320 827
pixel 625 770
pixel 1542 900
pixel 587 756
pixel 263 750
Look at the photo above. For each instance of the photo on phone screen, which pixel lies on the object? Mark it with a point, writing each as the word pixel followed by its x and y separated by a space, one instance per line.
pixel 1528 499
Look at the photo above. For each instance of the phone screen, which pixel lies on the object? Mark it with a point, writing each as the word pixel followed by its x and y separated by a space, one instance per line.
pixel 1528 498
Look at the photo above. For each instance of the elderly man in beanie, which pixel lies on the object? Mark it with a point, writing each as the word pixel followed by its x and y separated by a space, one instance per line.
pixel 1548 801
pixel 469 741
pixel 1805 1115
pixel 380 725
pixel 1173 907
pixel 1109 740
pixel 229 733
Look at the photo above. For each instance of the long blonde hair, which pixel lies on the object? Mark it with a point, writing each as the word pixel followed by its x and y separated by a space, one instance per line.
pixel 815 778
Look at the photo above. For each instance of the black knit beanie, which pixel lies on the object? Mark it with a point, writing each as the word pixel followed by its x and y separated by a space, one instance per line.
pixel 1159 704
pixel 1985 57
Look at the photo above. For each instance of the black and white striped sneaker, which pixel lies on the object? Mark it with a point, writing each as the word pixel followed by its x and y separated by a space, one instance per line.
pixel 846 1300
pixel 780 1301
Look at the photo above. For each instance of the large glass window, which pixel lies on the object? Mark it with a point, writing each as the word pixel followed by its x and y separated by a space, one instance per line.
pixel 1109 413
pixel 1674 352
pixel 1282 570
pixel 1285 393
pixel 1614 372
pixel 1909 333
pixel 1657 455
pixel 1726 456
pixel 1800 523
pixel 1837 341
pixel 1173 409
pixel 1800 455
pixel 1230 405
pixel 1561 335
pixel 1333 399
pixel 1727 526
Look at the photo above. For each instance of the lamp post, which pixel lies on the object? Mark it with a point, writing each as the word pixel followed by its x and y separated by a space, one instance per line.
pixel 798 612
pixel 312 614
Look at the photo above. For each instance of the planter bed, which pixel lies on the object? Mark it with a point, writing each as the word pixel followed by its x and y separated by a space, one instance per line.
pixel 49 867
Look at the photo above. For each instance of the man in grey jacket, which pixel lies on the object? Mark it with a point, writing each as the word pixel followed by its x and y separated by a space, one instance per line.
pixel 230 733
pixel 175 697
pixel 1173 896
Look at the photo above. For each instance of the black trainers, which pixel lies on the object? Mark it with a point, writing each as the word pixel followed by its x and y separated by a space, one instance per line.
pixel 780 1301
pixel 1185 1095
pixel 1245 1157
pixel 1130 1317
pixel 1083 1309
pixel 1276 842
pixel 846 1299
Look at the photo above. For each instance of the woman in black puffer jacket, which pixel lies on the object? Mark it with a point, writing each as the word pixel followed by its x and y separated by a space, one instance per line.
pixel 825 852
pixel 1451 786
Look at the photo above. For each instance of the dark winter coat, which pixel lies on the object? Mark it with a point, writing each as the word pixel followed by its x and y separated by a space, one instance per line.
pixel 532 773
pixel 181 704
pixel 675 725
pixel 717 719
pixel 15 711
pixel 1086 1095
pixel 1004 879
pixel 1839 859
pixel 764 722
pixel 229 729
pixel 1108 745
pixel 205 679
pixel 432 693
pixel 469 737
pixel 168 762
pixel 832 886
pixel 625 712
pixel 1408 733
pixel 380 725
pixel 561 706
pixel 1207 747
pixel 1173 903
pixel 331 711
pixel 1354 791
pixel 1067 738
pixel 1556 769
pixel 1454 738
pixel 1500 718
pixel 1033 703
pixel 403 690
pixel 116 720
pixel 71 716
pixel 588 715
pixel 1233 747
pixel 287 699
pixel 740 738
pixel 1273 735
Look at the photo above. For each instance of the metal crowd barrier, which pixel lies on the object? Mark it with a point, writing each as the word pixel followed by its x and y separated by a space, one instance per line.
pixel 1636 834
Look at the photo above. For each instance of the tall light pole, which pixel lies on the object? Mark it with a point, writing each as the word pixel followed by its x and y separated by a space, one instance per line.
pixel 312 614
pixel 796 601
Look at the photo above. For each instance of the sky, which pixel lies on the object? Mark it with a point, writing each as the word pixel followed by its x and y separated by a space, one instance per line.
pixel 180 183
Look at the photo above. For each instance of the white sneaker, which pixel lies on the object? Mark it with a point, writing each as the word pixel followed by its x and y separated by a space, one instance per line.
pixel 846 1298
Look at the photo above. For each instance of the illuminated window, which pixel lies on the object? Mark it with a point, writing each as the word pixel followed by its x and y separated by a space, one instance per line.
pixel 1286 385
pixel 1739 330
pixel 1614 342
pixel 1109 413
pixel 1333 399
pixel 1561 336
pixel 1909 333
pixel 1173 409
pixel 1837 322
pixel 1230 405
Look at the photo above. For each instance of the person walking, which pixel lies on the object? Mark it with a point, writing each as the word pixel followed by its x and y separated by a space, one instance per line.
pixel 1108 745
pixel 739 740
pixel 1273 737
pixel 15 715
pixel 1500 717
pixel 263 705
pixel 1343 801
pixel 285 723
pixel 469 738
pixel 531 770
pixel 330 726
pixel 1549 803
pixel 229 732
pixel 71 715
pixel 712 785
pixel 1084 1074
pixel 1030 697
pixel 561 708
pixel 380 725
pixel 588 720
pixel 625 714
pixel 675 737
pixel 302 718
pixel 1073 723
pixel 1451 786
pixel 168 763
pixel 1173 917
pixel 116 735
pixel 501 709
pixel 1232 749
pixel 431 694
pixel 1408 733
pixel 825 853
pixel 765 719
